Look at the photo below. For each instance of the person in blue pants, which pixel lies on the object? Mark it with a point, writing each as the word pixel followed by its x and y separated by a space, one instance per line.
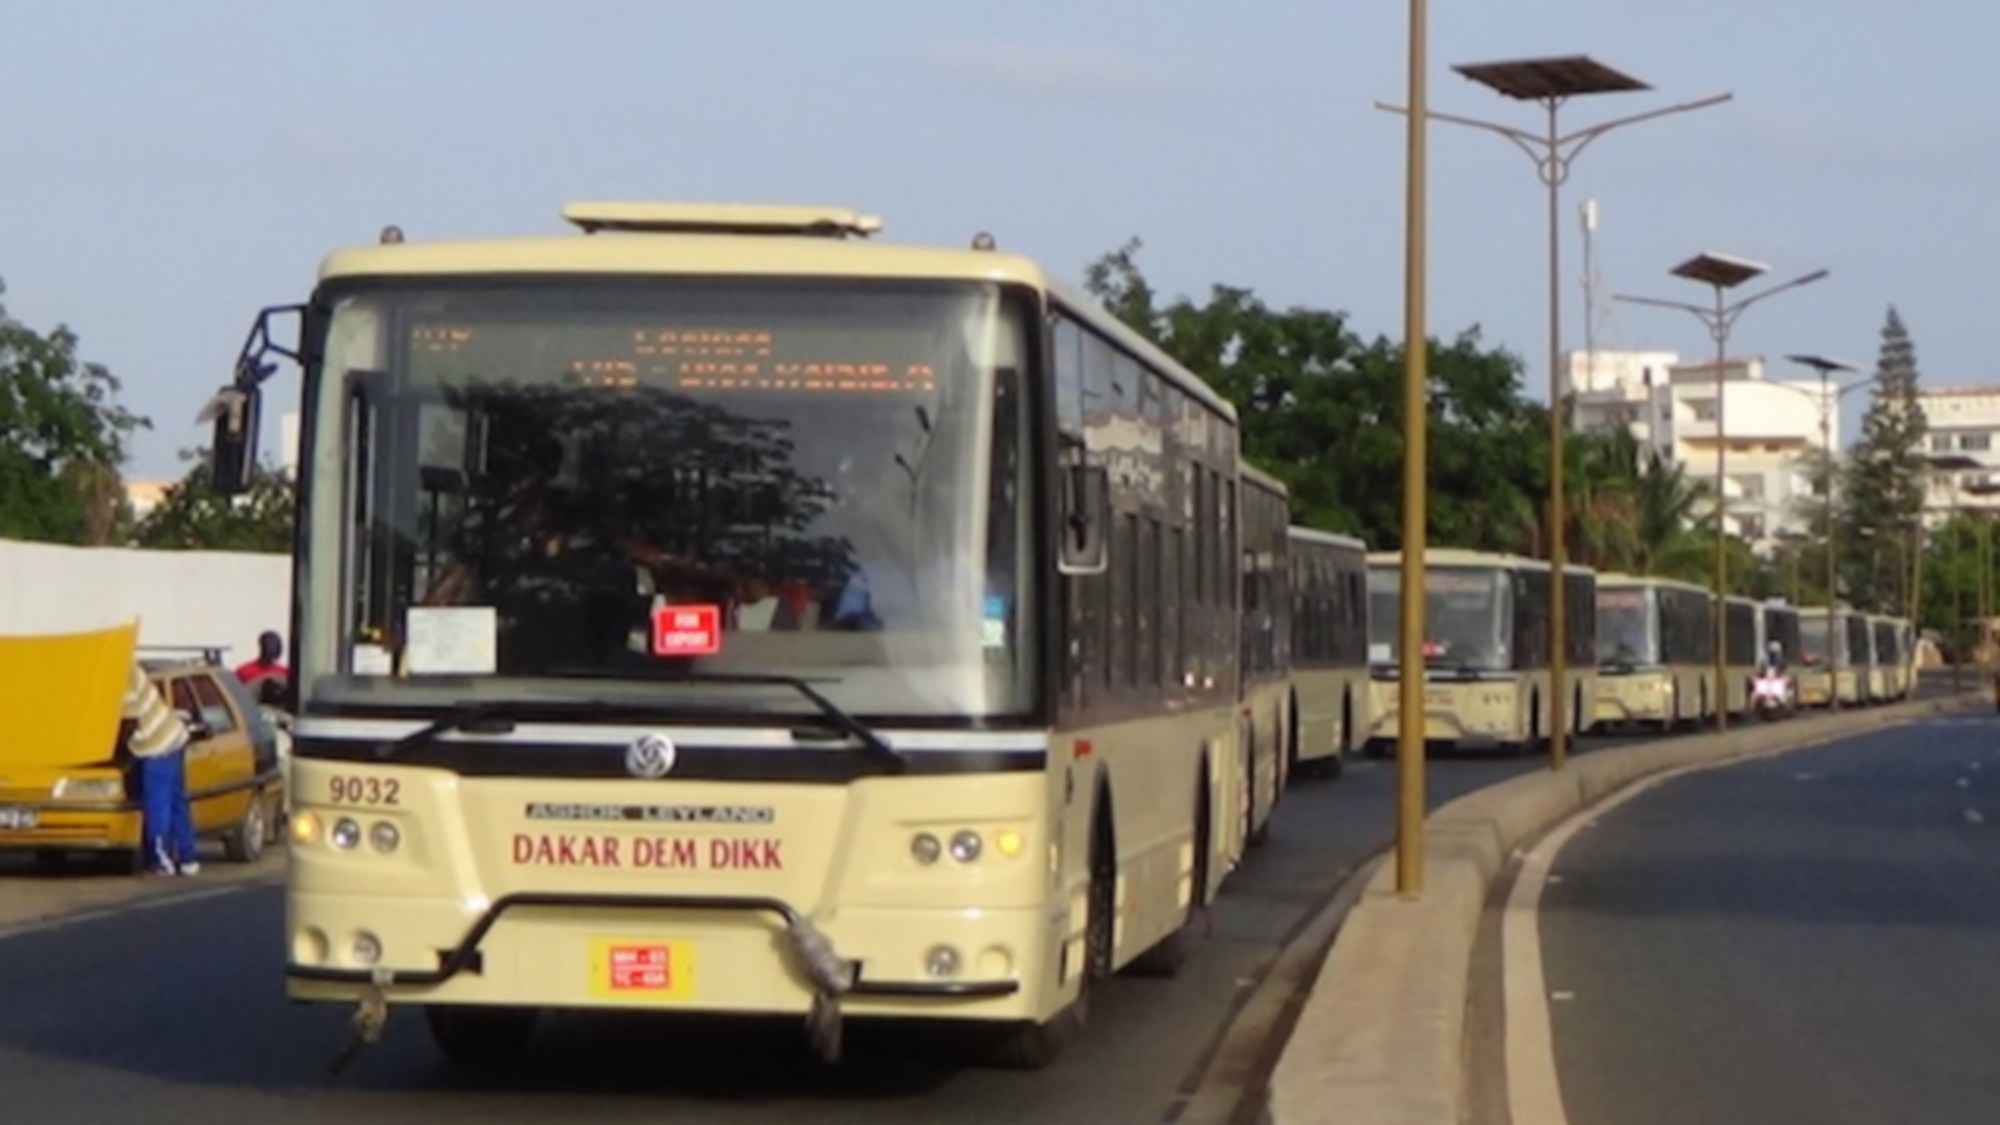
pixel 158 742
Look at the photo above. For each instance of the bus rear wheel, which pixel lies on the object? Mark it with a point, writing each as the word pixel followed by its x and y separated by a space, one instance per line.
pixel 481 1038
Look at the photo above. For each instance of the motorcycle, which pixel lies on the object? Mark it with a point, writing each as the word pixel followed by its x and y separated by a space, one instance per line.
pixel 1773 694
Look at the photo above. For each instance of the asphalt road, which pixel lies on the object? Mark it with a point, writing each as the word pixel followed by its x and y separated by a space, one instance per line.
pixel 178 1015
pixel 1804 938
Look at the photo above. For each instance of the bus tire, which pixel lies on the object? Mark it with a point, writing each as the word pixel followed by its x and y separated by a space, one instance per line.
pixel 1035 1046
pixel 1170 953
pixel 481 1038
pixel 1330 766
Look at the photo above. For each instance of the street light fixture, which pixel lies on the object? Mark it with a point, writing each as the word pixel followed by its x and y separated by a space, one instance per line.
pixel 1721 272
pixel 1827 399
pixel 1551 81
pixel 1416 388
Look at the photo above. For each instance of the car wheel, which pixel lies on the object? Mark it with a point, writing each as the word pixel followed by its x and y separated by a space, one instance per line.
pixel 245 842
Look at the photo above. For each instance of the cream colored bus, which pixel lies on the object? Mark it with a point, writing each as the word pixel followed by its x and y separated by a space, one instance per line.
pixel 716 610
pixel 1740 656
pixel 1329 647
pixel 1889 674
pixel 1823 650
pixel 1269 703
pixel 1486 657
pixel 1655 652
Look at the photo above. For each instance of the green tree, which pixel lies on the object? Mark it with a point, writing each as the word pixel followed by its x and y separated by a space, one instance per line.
pixel 62 438
pixel 1884 493
pixel 192 517
pixel 1323 411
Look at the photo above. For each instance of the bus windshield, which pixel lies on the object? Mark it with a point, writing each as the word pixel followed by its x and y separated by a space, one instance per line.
pixel 1812 640
pixel 1627 628
pixel 1468 618
pixel 544 490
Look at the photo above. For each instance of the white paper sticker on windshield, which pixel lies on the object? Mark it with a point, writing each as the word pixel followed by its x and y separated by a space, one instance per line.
pixel 372 660
pixel 1378 654
pixel 451 641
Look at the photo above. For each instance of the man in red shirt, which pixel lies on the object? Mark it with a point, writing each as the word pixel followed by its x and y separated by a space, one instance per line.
pixel 269 648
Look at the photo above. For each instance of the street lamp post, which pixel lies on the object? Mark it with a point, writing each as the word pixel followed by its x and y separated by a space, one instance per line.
pixel 1550 82
pixel 1416 379
pixel 1721 272
pixel 1827 401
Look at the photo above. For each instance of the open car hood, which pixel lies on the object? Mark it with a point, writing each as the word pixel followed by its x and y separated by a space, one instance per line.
pixel 61 695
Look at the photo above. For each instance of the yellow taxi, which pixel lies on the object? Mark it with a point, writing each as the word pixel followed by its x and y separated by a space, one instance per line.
pixel 67 785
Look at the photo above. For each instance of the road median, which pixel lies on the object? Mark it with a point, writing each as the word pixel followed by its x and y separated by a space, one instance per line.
pixel 1381 1037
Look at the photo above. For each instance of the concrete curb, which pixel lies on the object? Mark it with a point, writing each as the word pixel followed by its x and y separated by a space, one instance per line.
pixel 1381 1038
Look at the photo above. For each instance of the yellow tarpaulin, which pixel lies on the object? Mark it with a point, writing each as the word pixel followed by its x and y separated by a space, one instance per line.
pixel 61 694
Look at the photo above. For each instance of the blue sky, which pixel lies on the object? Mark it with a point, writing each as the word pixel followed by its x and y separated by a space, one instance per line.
pixel 170 168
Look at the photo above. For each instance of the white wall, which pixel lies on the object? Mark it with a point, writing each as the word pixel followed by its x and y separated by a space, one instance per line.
pixel 180 597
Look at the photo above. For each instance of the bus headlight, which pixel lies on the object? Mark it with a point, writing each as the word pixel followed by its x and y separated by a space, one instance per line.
pixel 941 961
pixel 305 827
pixel 925 849
pixel 346 834
pixel 367 948
pixel 385 837
pixel 1008 843
pixel 966 846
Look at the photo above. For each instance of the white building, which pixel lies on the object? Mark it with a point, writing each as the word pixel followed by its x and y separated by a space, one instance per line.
pixel 1963 421
pixel 1765 427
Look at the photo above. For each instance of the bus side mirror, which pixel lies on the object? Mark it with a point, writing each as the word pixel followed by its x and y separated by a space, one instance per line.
pixel 232 451
pixel 1086 507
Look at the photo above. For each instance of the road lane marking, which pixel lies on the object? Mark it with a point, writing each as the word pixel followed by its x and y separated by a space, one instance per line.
pixel 1965 783
pixel 1561 997
pixel 1534 1093
pixel 1974 816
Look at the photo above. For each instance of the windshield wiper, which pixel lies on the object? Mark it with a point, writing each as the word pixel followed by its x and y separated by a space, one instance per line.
pixel 871 743
pixel 496 716
pixel 484 717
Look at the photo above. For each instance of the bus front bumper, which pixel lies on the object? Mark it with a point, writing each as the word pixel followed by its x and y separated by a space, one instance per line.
pixel 672 952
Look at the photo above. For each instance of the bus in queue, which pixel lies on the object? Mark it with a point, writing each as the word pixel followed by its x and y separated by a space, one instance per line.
pixel 1487 673
pixel 1329 647
pixel 1889 673
pixel 1741 654
pixel 1655 652
pixel 717 610
pixel 1268 699
pixel 1825 650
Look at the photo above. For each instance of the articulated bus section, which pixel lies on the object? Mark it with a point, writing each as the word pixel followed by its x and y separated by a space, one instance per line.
pixel 1487 672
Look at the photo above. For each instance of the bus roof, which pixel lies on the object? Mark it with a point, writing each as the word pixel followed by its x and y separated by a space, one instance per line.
pixel 1261 479
pixel 1460 557
pixel 1614 579
pixel 1325 538
pixel 741 240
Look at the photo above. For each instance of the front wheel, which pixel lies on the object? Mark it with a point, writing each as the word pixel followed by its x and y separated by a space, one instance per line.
pixel 480 1038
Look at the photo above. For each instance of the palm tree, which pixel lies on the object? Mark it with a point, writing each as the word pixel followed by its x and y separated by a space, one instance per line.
pixel 1664 502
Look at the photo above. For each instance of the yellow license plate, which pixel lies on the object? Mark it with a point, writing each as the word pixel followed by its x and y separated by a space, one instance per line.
pixel 641 970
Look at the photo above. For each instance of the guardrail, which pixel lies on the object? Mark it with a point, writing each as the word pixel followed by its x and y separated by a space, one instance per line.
pixel 1381 1038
